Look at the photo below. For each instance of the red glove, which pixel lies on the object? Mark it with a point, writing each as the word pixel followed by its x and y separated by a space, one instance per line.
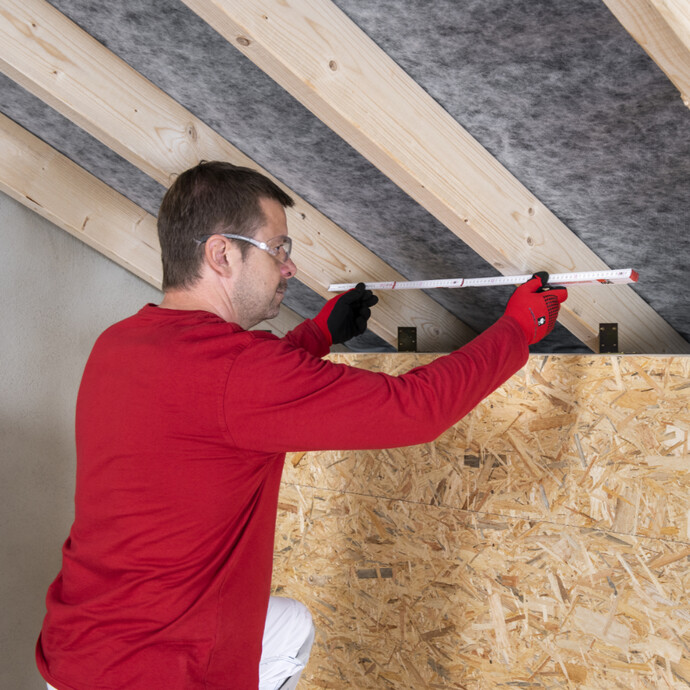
pixel 535 305
pixel 345 316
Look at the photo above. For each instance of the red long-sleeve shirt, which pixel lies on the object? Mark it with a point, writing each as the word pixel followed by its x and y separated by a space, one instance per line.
pixel 182 424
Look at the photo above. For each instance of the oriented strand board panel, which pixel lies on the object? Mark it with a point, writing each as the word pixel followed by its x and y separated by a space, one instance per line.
pixel 544 541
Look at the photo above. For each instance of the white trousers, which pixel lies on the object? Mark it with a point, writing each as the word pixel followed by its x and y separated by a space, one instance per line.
pixel 288 637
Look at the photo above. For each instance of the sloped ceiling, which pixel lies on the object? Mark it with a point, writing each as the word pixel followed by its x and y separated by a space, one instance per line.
pixel 556 90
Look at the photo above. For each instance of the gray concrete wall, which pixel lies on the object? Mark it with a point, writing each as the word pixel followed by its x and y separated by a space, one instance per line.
pixel 57 297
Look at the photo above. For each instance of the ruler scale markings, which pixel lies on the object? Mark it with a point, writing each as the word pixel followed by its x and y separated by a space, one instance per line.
pixel 620 276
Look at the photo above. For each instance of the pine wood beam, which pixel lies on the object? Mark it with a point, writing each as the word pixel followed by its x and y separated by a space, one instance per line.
pixel 54 59
pixel 325 61
pixel 50 184
pixel 662 28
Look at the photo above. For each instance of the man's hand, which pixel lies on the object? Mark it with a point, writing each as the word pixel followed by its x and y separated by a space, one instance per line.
pixel 345 316
pixel 535 306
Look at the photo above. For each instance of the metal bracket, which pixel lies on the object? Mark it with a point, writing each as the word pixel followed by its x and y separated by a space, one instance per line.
pixel 608 338
pixel 407 339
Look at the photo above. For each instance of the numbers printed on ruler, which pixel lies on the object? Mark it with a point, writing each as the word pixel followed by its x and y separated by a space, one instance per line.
pixel 619 276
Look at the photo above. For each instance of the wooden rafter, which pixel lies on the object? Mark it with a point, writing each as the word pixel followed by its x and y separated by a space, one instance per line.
pixel 324 60
pixel 53 58
pixel 662 28
pixel 48 183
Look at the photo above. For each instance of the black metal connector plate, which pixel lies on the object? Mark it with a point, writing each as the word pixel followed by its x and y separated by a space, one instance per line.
pixel 407 339
pixel 608 338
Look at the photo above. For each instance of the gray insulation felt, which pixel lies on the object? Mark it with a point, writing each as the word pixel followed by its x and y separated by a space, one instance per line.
pixel 556 90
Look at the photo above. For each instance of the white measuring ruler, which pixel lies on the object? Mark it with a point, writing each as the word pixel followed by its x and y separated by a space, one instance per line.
pixel 617 276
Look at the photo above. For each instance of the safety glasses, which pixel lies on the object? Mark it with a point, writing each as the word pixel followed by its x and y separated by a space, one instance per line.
pixel 278 247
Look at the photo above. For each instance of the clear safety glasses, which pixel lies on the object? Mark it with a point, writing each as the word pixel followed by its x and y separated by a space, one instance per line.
pixel 278 247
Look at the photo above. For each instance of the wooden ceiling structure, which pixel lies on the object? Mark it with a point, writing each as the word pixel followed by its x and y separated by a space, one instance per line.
pixel 662 28
pixel 320 56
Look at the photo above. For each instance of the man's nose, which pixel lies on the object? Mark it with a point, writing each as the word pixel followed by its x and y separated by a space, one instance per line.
pixel 288 269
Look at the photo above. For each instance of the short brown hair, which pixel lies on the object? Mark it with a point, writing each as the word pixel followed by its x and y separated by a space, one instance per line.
pixel 212 197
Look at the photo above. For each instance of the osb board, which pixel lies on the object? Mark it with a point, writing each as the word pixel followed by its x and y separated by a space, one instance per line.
pixel 411 596
pixel 595 441
pixel 541 542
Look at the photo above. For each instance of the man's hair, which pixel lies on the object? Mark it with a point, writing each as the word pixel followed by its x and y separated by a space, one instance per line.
pixel 212 197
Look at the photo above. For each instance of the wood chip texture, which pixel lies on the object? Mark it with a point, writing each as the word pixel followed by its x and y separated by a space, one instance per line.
pixel 541 542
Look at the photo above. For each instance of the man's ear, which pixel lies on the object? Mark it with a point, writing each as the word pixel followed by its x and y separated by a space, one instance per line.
pixel 220 254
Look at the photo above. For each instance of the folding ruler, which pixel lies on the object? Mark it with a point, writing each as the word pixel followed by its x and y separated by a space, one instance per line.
pixel 618 276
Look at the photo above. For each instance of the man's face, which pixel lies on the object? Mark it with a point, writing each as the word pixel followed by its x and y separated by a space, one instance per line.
pixel 261 281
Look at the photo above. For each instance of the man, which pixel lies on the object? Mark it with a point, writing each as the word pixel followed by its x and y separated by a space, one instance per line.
pixel 183 420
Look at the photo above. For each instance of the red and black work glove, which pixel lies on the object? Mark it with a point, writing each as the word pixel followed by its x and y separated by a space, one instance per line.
pixel 345 316
pixel 535 305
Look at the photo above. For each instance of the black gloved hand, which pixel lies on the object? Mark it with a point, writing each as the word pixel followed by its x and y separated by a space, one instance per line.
pixel 535 306
pixel 345 316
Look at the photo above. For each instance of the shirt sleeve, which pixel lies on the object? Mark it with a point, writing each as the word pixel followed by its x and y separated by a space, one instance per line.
pixel 308 336
pixel 279 398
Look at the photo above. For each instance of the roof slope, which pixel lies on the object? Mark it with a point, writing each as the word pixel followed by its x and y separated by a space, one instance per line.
pixel 557 92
